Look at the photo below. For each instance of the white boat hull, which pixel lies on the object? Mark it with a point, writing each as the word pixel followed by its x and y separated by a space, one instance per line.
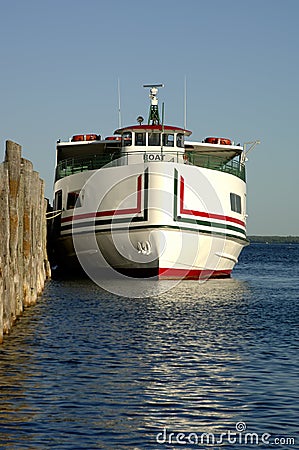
pixel 163 219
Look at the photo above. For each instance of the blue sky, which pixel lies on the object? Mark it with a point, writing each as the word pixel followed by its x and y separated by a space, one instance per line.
pixel 61 59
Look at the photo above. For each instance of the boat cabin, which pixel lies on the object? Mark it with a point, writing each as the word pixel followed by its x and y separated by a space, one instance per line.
pixel 152 142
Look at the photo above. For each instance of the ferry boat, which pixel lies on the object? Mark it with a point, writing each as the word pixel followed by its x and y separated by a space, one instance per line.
pixel 150 202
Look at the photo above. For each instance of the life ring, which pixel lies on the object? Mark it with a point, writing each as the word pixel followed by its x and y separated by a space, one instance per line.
pixel 113 138
pixel 211 140
pixel 225 141
pixel 216 140
pixel 78 137
pixel 91 137
pixel 85 137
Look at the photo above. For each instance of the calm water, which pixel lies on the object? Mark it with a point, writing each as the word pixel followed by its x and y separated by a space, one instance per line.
pixel 85 369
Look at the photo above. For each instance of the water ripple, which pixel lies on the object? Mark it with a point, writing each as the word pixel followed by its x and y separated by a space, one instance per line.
pixel 85 369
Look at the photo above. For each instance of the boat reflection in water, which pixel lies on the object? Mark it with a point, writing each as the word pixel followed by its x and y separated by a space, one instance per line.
pixel 192 357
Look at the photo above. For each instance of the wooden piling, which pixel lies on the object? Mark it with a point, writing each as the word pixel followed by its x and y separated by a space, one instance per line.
pixel 24 265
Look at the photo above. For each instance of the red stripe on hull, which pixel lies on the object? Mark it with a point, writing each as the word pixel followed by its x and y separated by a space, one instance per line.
pixel 192 274
pixel 113 212
pixel 191 212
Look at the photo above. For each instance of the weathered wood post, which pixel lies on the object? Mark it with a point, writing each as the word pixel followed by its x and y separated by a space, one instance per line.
pixel 24 265
pixel 4 250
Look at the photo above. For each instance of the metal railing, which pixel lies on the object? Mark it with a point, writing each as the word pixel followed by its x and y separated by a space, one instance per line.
pixel 78 164
pixel 233 167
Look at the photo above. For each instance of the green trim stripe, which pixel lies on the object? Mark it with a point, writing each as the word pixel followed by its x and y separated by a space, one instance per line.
pixel 199 222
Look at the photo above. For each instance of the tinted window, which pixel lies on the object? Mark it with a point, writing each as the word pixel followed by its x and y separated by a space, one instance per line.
pixel 154 139
pixel 73 200
pixel 180 140
pixel 139 138
pixel 235 203
pixel 58 201
pixel 127 138
pixel 168 140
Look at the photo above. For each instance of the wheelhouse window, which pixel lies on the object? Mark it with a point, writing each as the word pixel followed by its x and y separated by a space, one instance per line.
pixel 235 203
pixel 73 200
pixel 154 139
pixel 127 138
pixel 140 139
pixel 180 140
pixel 168 140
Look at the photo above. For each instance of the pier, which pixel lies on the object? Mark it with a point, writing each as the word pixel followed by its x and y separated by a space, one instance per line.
pixel 24 265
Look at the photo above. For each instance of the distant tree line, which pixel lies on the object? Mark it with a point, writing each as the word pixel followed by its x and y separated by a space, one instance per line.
pixel 275 239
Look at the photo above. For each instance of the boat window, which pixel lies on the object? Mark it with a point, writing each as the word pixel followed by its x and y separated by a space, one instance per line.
pixel 58 201
pixel 73 200
pixel 154 139
pixel 139 138
pixel 168 140
pixel 127 138
pixel 180 140
pixel 235 203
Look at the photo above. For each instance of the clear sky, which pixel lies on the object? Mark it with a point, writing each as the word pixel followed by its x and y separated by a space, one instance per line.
pixel 61 59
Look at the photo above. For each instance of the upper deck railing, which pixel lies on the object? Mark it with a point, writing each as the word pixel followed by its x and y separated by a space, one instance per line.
pixel 74 165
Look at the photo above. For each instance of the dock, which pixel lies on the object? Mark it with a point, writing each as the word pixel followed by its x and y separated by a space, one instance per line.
pixel 24 264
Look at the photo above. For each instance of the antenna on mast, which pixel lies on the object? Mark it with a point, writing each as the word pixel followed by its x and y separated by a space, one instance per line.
pixel 185 103
pixel 154 110
pixel 119 110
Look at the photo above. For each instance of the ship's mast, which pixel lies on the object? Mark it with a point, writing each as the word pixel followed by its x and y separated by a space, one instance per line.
pixel 153 118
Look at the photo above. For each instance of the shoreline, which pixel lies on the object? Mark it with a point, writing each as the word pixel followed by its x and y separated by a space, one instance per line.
pixel 273 239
